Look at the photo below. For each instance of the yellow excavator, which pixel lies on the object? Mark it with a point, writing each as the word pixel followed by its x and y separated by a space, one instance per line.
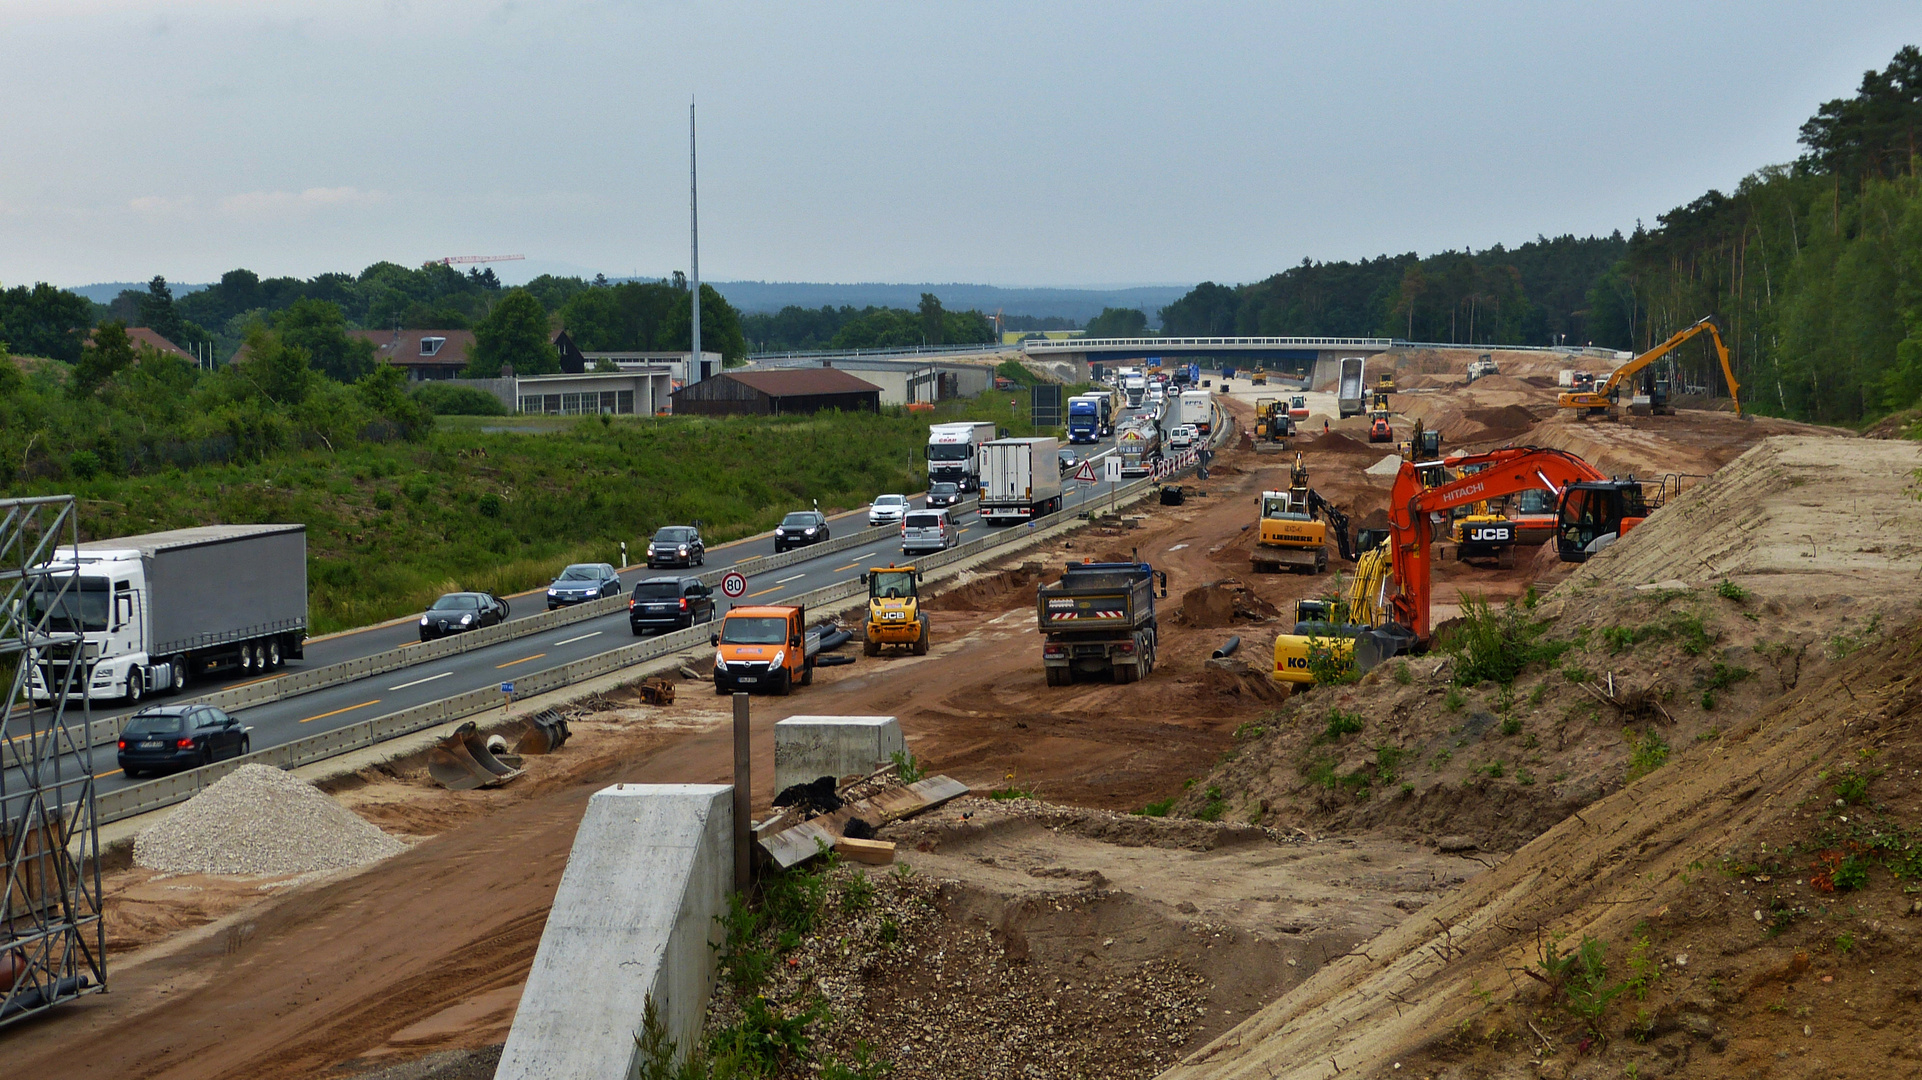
pixel 1652 398
pixel 1325 629
pixel 894 610
pixel 1294 528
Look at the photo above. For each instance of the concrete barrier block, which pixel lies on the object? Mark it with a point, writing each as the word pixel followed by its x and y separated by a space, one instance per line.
pixel 633 918
pixel 809 747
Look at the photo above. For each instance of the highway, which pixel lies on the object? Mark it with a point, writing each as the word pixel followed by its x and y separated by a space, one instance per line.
pixel 307 714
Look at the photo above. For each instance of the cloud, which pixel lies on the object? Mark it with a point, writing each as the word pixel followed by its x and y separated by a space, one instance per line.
pixel 157 205
pixel 264 203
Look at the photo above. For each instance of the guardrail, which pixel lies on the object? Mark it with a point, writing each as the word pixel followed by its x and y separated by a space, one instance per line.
pixel 1039 346
pixel 899 350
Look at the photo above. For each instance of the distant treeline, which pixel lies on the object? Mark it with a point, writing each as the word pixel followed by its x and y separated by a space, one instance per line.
pixel 1813 271
pixel 798 328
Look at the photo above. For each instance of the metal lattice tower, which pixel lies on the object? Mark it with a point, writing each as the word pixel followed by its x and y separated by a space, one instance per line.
pixel 52 941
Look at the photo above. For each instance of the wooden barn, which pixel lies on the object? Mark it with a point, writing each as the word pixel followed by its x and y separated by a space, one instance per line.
pixel 777 393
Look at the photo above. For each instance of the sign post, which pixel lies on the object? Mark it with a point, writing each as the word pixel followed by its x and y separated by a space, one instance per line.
pixel 507 699
pixel 1111 466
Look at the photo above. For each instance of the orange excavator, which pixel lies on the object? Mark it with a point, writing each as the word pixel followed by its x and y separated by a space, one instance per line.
pixel 1651 398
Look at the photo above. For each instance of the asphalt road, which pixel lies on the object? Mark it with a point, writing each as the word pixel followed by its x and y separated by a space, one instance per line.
pixel 308 714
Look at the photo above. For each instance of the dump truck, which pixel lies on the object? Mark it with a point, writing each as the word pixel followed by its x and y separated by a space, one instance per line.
pixel 1482 367
pixel 1349 397
pixel 1258 377
pixel 159 610
pixel 1385 382
pixel 894 610
pixel 1020 479
pixel 1099 619
pixel 764 648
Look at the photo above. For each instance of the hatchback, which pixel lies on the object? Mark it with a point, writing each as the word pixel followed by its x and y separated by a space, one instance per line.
pixel 800 528
pixel 669 603
pixel 944 494
pixel 583 582
pixel 676 545
pixel 167 738
pixel 458 612
pixel 928 530
pixel 887 510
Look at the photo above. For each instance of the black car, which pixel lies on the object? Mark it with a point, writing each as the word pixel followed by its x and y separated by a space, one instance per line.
pixel 669 603
pixel 583 582
pixel 676 545
pixel 944 494
pixel 167 738
pixel 461 611
pixel 799 529
pixel 1065 457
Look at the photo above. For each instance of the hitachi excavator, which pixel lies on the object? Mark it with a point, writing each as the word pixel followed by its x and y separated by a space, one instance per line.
pixel 1387 606
pixel 1651 398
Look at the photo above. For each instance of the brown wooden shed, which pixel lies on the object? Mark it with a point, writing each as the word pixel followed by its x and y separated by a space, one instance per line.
pixel 775 393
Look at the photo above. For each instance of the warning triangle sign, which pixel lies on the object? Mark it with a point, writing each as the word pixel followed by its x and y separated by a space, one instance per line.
pixel 1085 473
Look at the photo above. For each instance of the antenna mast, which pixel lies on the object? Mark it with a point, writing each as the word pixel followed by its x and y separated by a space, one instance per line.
pixel 694 372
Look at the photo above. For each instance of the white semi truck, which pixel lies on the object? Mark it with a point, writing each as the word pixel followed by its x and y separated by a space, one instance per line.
pixel 954 452
pixel 1197 410
pixel 1021 479
pixel 159 610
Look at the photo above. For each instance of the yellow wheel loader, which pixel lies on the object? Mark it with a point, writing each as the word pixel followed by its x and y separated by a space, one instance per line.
pixel 894 610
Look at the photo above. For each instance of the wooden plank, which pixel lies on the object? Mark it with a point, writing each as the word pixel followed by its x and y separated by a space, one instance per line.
pixel 791 847
pixel 894 804
pixel 872 852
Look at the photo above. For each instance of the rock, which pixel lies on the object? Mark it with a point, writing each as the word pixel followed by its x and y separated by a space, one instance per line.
pixel 1554 1069
pixel 1698 1026
pixel 1187 908
pixel 1449 844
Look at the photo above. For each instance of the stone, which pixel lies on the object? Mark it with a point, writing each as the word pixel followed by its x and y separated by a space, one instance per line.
pixel 1449 844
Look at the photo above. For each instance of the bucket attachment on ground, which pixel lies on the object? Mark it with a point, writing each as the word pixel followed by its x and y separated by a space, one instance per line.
pixel 545 733
pixel 657 692
pixel 461 761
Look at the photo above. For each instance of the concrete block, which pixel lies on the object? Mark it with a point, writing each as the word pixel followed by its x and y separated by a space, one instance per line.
pixel 809 747
pixel 633 917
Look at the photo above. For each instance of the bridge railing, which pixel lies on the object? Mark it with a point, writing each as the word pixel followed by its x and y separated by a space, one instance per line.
pixel 897 350
pixel 1068 345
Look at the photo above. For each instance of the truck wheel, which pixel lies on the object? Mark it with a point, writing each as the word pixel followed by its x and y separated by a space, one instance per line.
pixel 273 653
pixel 807 675
pixel 871 647
pixel 178 666
pixel 134 687
pixel 784 685
pixel 1124 673
pixel 921 643
pixel 1054 676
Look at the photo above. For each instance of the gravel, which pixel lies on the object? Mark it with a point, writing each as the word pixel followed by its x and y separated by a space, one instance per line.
pixel 260 820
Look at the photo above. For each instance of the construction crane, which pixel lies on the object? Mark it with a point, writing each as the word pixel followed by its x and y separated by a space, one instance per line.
pixel 462 260
pixel 1654 400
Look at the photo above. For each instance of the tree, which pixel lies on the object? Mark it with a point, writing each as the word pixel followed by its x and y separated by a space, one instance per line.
pixel 45 321
pixel 109 353
pixel 931 318
pixel 1118 323
pixel 1207 311
pixel 1878 132
pixel 157 311
pixel 384 390
pixel 514 333
pixel 320 328
pixel 274 369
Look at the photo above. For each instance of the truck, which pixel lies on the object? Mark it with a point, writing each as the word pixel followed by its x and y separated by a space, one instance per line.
pixel 764 647
pixel 1136 387
pixel 159 610
pixel 954 453
pixel 1348 393
pixel 1021 479
pixel 1099 618
pixel 1090 416
pixel 1197 410
pixel 1139 444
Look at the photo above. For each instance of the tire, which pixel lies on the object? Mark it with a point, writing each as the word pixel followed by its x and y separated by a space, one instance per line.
pixel 720 688
pixel 784 685
pixel 638 632
pixel 135 691
pixel 807 675
pixel 205 759
pixel 178 665
pixel 1124 673
pixel 921 643
pixel 273 653
pixel 701 559
pixel 871 647
pixel 132 774
pixel 246 745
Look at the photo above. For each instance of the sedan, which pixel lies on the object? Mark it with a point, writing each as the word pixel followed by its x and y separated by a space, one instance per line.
pixel 168 738
pixel 799 529
pixel 583 582
pixel 676 545
pixel 1066 459
pixel 887 510
pixel 458 612
pixel 943 495
pixel 669 603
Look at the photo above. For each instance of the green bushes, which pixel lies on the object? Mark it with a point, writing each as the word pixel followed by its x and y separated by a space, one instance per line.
pixel 1495 645
pixel 444 400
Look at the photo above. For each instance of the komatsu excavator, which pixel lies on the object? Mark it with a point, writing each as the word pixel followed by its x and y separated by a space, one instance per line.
pixel 1651 398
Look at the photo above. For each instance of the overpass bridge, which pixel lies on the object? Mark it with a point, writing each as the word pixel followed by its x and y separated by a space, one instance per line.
pixel 1279 353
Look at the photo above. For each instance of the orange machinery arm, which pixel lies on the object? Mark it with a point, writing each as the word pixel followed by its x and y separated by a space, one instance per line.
pixel 1509 470
pixel 1605 394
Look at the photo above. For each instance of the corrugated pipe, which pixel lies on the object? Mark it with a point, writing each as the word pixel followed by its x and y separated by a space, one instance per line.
pixel 1228 647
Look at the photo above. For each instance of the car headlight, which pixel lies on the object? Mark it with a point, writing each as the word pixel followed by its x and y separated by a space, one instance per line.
pixel 423 620
pixel 465 619
pixel 778 531
pixel 683 549
pixel 810 532
pixel 779 659
pixel 720 662
pixel 553 592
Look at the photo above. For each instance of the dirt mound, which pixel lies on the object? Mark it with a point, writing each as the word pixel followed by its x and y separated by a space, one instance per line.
pixel 1506 422
pixel 260 820
pixel 1207 607
pixel 1903 425
pixel 988 592
pixel 1334 442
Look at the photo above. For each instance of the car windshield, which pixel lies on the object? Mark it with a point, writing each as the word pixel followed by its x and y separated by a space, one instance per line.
pixel 460 601
pixel 751 630
pixel 943 489
pixel 948 451
pixel 892 584
pixel 924 521
pixel 674 534
pixel 889 500
pixel 798 520
pixel 157 724
pixel 83 606
pixel 581 572
pixel 657 590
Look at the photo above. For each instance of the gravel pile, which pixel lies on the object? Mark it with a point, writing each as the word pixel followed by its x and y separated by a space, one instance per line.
pixel 260 820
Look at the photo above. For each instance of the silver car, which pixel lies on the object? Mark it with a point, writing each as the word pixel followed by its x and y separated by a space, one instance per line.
pixel 887 510
pixel 928 530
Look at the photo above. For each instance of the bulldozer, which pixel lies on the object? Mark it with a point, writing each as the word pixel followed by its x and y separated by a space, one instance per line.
pixel 1294 528
pixel 894 610
pixel 1378 427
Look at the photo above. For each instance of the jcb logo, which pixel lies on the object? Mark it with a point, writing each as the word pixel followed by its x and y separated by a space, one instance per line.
pixel 1489 535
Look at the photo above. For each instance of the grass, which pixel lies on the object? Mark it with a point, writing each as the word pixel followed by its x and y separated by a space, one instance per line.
pixel 1157 809
pixel 1647 753
pixel 1497 644
pixel 1213 806
pixel 1728 590
pixel 1340 723
pixel 1454 699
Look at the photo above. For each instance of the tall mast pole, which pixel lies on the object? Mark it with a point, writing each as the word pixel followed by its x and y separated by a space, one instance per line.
pixel 694 248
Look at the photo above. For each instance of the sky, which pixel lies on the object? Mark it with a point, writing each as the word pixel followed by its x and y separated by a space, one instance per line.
pixel 1025 143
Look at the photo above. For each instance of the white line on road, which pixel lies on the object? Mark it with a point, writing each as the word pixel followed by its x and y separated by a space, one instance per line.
pixel 583 637
pixel 785 580
pixel 417 682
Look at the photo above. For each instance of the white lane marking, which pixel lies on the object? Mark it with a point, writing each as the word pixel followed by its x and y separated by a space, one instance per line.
pixel 417 682
pixel 583 637
pixel 785 580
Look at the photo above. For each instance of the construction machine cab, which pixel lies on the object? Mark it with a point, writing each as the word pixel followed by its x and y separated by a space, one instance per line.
pixel 1594 513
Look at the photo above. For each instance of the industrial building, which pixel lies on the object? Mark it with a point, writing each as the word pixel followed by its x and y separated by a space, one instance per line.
pixel 777 393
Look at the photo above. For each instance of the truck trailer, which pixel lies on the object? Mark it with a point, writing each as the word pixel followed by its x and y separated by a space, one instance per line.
pixel 1197 410
pixel 1349 400
pixel 954 453
pixel 159 610
pixel 1139 445
pixel 1021 479
pixel 1099 619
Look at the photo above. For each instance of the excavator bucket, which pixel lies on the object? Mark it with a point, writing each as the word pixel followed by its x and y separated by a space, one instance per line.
pixel 546 732
pixel 462 762
pixel 657 692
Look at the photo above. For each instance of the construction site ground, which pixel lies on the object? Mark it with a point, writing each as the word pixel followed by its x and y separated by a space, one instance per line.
pixel 1300 894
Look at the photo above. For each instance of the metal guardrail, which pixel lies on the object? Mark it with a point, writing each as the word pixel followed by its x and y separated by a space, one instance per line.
pixel 899 350
pixel 1036 347
pixel 1563 350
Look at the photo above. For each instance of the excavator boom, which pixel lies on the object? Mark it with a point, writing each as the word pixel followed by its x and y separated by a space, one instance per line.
pixel 1607 394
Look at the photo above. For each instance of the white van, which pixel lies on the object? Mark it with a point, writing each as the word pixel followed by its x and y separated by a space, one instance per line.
pixel 928 530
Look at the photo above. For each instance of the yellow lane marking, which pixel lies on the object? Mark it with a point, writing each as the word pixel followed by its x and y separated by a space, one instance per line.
pixel 337 712
pixel 522 660
pixel 763 592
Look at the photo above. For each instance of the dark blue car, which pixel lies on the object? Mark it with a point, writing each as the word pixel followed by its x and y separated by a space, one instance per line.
pixel 169 738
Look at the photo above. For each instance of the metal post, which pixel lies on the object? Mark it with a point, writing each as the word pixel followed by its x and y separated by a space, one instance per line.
pixel 693 373
pixel 743 788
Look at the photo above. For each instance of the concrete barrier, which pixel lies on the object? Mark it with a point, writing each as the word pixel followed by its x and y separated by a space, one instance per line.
pixel 809 747
pixel 635 918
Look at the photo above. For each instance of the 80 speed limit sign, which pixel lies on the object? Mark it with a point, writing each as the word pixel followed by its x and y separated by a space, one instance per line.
pixel 733 584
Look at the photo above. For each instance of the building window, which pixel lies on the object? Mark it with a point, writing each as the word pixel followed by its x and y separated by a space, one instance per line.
pixel 431 345
pixel 624 402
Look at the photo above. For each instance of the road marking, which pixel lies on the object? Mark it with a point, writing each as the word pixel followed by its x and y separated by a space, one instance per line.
pixel 522 660
pixel 417 682
pixel 583 637
pixel 763 592
pixel 849 566
pixel 337 712
pixel 103 775
pixel 785 580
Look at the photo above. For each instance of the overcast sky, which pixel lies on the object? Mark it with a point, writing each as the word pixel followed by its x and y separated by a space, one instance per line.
pixel 1013 144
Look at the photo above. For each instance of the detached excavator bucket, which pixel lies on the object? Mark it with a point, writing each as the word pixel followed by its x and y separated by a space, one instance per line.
pixel 546 732
pixel 462 762
pixel 657 692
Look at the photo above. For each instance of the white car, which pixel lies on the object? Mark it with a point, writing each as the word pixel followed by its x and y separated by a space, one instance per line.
pixel 1181 438
pixel 887 510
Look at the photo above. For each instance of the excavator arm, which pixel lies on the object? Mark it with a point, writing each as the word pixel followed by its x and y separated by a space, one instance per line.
pixel 1337 521
pixel 1507 471
pixel 1608 392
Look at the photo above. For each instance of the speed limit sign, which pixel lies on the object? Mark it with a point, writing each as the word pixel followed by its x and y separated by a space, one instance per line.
pixel 733 584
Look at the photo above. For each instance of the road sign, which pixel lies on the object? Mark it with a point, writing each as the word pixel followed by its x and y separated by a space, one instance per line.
pixel 1085 473
pixel 507 688
pixel 1112 467
pixel 733 584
